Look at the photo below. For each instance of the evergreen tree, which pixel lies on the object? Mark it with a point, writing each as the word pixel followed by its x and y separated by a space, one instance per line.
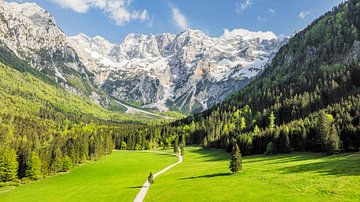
pixel 235 161
pixel 205 143
pixel 284 141
pixel 33 170
pixel 269 148
pixel 8 165
pixel 176 145
pixel 272 120
pixel 182 149
pixel 328 135
pixel 332 145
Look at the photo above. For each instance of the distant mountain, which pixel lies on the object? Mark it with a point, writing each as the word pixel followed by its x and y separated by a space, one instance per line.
pixel 188 72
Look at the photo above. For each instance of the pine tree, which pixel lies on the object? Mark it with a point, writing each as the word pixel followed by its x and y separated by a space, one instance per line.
pixel 205 143
pixel 272 120
pixel 182 149
pixel 284 142
pixel 33 170
pixel 332 145
pixel 235 161
pixel 8 164
pixel 176 145
pixel 151 178
pixel 328 135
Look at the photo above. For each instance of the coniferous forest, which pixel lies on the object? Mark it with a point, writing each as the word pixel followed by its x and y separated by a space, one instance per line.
pixel 307 99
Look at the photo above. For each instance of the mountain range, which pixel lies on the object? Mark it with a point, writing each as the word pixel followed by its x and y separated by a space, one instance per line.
pixel 187 72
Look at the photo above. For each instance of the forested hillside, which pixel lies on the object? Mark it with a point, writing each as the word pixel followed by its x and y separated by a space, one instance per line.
pixel 307 99
pixel 45 130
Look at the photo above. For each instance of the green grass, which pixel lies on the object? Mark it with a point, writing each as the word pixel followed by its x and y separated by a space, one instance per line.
pixel 204 176
pixel 117 177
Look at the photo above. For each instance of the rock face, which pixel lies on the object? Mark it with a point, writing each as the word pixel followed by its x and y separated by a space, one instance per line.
pixel 189 72
pixel 32 34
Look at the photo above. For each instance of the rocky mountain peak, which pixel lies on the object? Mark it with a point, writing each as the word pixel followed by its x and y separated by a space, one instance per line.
pixel 190 71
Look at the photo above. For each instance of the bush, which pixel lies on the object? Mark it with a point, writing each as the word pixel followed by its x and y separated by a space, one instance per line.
pixel 67 164
pixel 123 145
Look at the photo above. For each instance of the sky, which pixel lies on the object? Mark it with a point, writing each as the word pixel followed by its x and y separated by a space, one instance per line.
pixel 114 19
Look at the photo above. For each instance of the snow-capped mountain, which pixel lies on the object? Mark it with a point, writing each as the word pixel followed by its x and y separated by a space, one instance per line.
pixel 190 71
pixel 31 33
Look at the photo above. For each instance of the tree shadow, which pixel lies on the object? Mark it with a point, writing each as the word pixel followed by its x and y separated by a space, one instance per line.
pixel 292 157
pixel 346 166
pixel 211 154
pixel 206 176
pixel 134 187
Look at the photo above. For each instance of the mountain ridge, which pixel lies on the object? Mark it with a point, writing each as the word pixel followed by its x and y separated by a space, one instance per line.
pixel 187 72
pixel 156 55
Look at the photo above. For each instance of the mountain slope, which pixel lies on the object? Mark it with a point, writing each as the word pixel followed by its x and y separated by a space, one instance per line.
pixel 29 96
pixel 310 91
pixel 188 72
pixel 31 33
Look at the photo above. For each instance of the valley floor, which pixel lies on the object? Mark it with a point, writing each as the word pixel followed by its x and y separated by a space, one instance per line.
pixel 117 177
pixel 202 176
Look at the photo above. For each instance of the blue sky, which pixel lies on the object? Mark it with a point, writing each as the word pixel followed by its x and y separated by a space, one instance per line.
pixel 114 19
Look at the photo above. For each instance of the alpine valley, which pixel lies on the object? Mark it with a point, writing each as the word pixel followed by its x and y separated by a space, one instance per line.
pixel 240 116
pixel 188 72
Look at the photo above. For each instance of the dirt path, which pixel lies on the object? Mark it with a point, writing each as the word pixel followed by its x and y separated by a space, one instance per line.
pixel 144 189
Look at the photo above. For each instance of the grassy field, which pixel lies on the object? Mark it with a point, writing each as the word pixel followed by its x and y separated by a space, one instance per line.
pixel 117 177
pixel 204 176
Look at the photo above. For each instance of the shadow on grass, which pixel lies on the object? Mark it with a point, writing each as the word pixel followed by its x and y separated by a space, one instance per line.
pixel 293 157
pixel 135 187
pixel 211 154
pixel 279 158
pixel 206 176
pixel 330 166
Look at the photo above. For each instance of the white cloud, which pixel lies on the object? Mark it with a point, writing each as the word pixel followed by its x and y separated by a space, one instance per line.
pixel 304 14
pixel 79 6
pixel 272 11
pixel 117 10
pixel 179 18
pixel 242 5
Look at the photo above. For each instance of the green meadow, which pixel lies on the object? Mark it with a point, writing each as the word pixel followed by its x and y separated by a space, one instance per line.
pixel 203 176
pixel 117 177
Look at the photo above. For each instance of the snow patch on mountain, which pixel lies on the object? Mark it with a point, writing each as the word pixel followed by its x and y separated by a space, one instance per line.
pixel 176 67
pixel 189 71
